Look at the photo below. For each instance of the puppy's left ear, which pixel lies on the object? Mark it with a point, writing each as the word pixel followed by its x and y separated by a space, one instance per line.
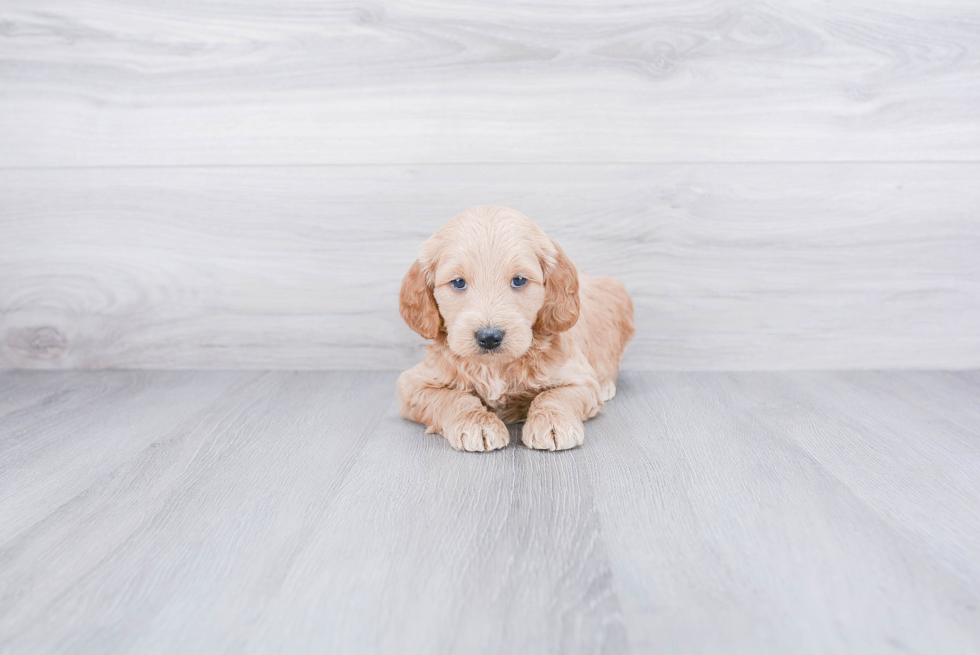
pixel 417 304
pixel 561 303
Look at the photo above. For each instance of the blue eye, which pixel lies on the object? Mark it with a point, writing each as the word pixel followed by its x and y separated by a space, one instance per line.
pixel 518 282
pixel 459 283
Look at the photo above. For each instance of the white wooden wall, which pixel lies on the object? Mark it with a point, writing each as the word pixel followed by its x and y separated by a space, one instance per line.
pixel 222 184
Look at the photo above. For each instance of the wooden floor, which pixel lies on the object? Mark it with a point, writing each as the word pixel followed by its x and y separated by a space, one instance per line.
pixel 204 512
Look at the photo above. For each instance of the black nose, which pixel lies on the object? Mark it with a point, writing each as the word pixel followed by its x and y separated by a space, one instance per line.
pixel 489 338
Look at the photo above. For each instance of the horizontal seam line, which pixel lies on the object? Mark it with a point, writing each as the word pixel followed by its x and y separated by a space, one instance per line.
pixel 508 163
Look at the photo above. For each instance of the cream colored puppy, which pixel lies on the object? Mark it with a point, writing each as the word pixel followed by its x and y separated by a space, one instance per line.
pixel 518 335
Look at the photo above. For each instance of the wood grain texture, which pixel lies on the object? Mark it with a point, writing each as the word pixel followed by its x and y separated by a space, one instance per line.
pixel 306 82
pixel 772 266
pixel 295 512
pixel 793 513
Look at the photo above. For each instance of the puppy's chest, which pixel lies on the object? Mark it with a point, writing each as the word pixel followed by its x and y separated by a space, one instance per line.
pixel 506 399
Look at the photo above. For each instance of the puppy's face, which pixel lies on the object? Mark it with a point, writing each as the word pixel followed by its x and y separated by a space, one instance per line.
pixel 489 295
pixel 489 279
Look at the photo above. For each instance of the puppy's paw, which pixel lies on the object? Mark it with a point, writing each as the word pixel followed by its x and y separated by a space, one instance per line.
pixel 478 431
pixel 546 429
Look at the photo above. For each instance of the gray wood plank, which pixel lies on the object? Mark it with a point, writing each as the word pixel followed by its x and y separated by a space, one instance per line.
pixel 767 517
pixel 450 556
pixel 63 443
pixel 296 512
pixel 26 391
pixel 307 82
pixel 730 266
pixel 284 509
pixel 897 449
pixel 159 520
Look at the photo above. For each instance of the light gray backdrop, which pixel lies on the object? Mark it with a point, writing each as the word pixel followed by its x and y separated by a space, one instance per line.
pixel 242 184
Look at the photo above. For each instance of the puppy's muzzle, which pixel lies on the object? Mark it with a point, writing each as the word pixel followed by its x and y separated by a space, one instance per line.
pixel 489 338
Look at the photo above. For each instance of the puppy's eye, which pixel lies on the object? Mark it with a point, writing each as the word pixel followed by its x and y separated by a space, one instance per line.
pixel 458 283
pixel 518 282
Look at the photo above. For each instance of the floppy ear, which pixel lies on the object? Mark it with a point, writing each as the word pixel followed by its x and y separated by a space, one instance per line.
pixel 418 305
pixel 561 304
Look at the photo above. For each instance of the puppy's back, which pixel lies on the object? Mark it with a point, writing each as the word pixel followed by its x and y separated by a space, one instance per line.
pixel 605 323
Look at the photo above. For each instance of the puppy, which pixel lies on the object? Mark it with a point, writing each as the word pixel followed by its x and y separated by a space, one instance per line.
pixel 518 335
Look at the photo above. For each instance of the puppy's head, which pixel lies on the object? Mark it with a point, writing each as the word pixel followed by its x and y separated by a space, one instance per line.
pixel 490 279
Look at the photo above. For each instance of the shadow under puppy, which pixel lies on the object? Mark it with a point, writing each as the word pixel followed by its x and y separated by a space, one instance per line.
pixel 518 335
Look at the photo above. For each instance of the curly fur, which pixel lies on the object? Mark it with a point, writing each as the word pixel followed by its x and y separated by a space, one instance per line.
pixel 565 334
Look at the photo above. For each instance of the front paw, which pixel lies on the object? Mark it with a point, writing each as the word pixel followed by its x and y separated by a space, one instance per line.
pixel 478 431
pixel 547 429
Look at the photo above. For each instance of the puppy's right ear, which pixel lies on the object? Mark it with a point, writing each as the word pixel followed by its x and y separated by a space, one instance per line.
pixel 418 305
pixel 561 302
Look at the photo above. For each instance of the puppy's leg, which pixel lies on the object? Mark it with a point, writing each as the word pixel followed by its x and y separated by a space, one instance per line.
pixel 554 420
pixel 458 416
pixel 608 391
